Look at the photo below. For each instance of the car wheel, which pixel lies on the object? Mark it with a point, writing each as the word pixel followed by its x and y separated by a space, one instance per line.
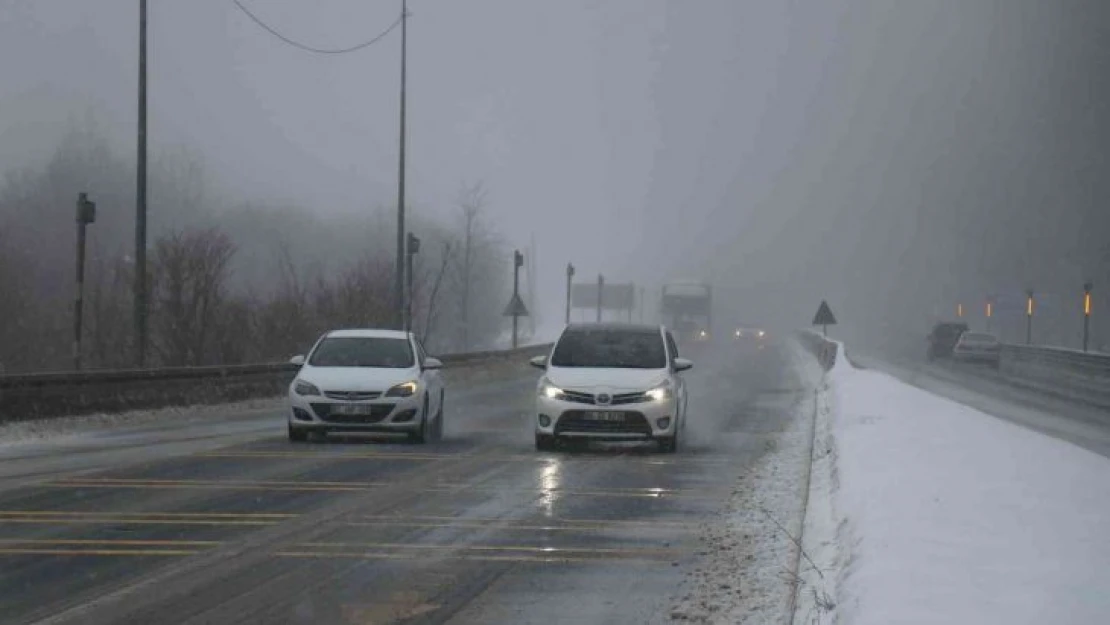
pixel 669 445
pixel 545 442
pixel 422 435
pixel 297 435
pixel 439 418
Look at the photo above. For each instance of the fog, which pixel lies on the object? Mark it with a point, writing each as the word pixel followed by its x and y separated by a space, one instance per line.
pixel 894 158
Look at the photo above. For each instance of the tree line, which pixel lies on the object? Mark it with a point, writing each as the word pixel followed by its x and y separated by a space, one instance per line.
pixel 229 282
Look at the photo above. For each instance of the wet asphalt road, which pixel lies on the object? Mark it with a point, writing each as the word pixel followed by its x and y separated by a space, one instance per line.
pixel 478 528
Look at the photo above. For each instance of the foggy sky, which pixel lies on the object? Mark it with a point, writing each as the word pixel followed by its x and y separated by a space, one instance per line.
pixel 894 157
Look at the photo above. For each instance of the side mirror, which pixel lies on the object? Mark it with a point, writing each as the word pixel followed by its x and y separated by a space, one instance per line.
pixel 432 363
pixel 539 362
pixel 681 364
pixel 297 360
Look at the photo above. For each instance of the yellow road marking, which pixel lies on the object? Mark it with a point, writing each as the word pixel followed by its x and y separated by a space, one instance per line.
pixel 96 552
pixel 266 485
pixel 110 541
pixel 262 519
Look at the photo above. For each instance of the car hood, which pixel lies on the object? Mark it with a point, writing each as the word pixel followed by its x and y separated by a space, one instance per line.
pixel 356 378
pixel 605 378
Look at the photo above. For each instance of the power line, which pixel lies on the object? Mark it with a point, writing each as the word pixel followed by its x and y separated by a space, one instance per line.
pixel 307 48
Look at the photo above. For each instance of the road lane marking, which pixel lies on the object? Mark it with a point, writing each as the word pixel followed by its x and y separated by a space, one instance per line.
pixel 276 485
pixel 110 541
pixel 319 455
pixel 253 519
pixel 18 551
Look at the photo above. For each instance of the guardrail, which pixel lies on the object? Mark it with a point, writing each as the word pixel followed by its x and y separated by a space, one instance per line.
pixel 823 349
pixel 1074 375
pixel 42 395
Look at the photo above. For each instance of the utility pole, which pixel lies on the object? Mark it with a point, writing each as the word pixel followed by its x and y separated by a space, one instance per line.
pixel 518 262
pixel 1029 317
pixel 1087 313
pixel 399 285
pixel 413 250
pixel 642 304
pixel 570 276
pixel 532 285
pixel 86 214
pixel 600 288
pixel 140 295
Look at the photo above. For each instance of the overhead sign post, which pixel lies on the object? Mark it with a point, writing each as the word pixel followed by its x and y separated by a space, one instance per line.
pixel 824 318
pixel 516 308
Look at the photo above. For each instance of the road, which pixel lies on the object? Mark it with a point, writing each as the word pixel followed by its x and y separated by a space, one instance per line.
pixel 989 391
pixel 224 521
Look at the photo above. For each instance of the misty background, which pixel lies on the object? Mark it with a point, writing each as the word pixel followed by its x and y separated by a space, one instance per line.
pixel 894 158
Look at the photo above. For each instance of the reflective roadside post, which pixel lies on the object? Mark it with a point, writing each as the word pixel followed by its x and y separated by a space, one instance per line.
pixel 570 276
pixel 990 312
pixel 86 214
pixel 960 311
pixel 600 288
pixel 1029 317
pixel 1086 313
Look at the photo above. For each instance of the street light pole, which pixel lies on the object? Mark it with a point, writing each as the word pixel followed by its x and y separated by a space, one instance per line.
pixel 518 262
pixel 86 214
pixel 398 286
pixel 139 294
pixel 413 250
pixel 570 276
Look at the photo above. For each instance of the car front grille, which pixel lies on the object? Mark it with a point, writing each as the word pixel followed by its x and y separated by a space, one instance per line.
pixel 576 421
pixel 352 395
pixel 579 397
pixel 377 413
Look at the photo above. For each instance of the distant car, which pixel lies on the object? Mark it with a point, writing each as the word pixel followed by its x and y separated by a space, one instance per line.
pixel 367 381
pixel 977 347
pixel 749 334
pixel 611 382
pixel 943 338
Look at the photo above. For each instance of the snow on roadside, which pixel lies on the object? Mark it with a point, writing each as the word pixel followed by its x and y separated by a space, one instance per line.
pixel 934 512
pixel 57 429
pixel 749 553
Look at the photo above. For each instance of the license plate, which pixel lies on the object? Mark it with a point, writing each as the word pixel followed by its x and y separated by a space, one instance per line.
pixel 604 416
pixel 351 409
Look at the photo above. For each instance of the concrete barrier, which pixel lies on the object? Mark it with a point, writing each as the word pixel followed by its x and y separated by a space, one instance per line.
pixel 42 395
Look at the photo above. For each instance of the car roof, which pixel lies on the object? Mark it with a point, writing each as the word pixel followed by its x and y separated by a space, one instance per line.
pixel 367 333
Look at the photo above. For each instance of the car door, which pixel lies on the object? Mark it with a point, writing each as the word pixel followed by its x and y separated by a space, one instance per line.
pixel 679 381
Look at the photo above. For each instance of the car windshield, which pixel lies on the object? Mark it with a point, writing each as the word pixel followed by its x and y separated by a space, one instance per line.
pixel 389 353
pixel 632 349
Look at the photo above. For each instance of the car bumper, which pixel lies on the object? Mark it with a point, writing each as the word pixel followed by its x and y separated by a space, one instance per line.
pixel 316 413
pixel 640 421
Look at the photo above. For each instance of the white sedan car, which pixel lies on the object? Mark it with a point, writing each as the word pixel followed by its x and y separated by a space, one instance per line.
pixel 612 382
pixel 367 381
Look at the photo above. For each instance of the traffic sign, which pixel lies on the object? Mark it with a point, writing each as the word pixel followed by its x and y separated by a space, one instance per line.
pixel 824 316
pixel 516 307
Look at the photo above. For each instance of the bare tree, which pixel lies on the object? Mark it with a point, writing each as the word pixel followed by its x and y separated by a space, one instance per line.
pixel 190 269
pixel 472 200
pixel 430 311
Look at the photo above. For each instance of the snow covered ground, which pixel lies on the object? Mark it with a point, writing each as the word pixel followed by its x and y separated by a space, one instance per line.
pixel 923 510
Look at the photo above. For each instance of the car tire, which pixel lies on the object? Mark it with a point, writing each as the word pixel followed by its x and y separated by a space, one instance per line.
pixel 545 442
pixel 439 418
pixel 297 435
pixel 669 444
pixel 422 435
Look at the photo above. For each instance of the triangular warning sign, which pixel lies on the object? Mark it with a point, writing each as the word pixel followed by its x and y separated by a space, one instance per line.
pixel 824 316
pixel 516 307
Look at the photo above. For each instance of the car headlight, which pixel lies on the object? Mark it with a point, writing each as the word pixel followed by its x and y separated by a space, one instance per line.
pixel 739 333
pixel 662 392
pixel 301 387
pixel 549 390
pixel 761 333
pixel 404 389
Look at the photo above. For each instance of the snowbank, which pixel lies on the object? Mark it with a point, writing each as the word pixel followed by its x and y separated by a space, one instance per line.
pixel 943 514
